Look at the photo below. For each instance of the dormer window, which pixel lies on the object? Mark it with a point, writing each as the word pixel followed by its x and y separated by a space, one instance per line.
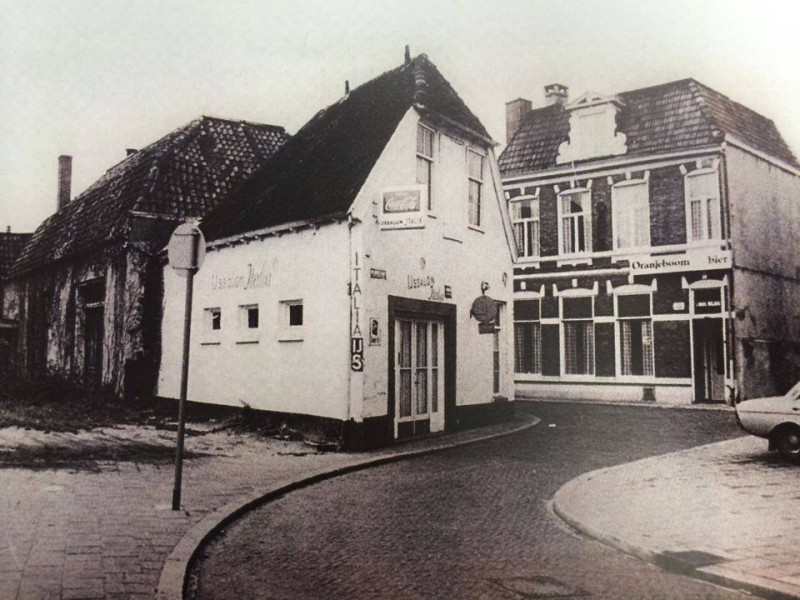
pixel 575 217
pixel 592 129
pixel 425 159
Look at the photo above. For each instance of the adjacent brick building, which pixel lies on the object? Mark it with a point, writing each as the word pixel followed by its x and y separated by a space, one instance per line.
pixel 656 254
pixel 86 288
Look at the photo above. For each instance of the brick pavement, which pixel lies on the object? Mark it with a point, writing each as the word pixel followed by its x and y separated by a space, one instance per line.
pixel 107 534
pixel 733 501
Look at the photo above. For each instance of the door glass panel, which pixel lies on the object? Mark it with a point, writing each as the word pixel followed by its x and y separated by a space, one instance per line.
pixel 422 368
pixel 405 368
pixel 434 367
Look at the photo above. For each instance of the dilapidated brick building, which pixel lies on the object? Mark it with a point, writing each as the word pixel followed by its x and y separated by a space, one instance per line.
pixel 11 245
pixel 86 289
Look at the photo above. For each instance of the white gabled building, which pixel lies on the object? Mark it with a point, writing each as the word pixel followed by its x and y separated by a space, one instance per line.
pixel 341 285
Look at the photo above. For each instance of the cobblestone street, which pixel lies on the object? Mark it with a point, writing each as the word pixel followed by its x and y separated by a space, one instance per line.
pixel 472 522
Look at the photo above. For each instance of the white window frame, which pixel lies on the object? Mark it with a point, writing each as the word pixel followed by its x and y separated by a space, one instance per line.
pixel 247 334
pixel 590 320
pixel 211 335
pixel 476 180
pixel 704 212
pixel 287 332
pixel 617 213
pixel 586 212
pixel 525 222
pixel 429 159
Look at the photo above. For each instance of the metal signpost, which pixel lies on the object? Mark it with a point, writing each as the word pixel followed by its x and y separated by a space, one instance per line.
pixel 186 251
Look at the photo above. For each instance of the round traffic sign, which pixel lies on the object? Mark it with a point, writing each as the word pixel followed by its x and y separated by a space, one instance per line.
pixel 187 248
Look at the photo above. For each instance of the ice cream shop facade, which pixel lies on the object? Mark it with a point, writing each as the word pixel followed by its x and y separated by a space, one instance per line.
pixel 655 249
pixel 367 299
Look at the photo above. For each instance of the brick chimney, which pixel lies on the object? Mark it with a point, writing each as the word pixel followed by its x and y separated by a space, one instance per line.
pixel 515 112
pixel 555 93
pixel 64 180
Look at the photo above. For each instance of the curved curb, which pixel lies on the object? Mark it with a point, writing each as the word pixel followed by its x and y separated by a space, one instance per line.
pixel 659 559
pixel 172 583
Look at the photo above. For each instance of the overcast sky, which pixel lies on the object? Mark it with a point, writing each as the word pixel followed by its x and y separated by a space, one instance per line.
pixel 90 78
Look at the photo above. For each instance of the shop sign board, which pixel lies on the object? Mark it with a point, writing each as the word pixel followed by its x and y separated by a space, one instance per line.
pixel 403 208
pixel 702 259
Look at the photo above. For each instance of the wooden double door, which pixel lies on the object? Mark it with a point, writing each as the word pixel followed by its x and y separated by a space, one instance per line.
pixel 419 376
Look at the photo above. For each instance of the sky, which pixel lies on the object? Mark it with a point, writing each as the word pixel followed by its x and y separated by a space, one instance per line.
pixel 90 78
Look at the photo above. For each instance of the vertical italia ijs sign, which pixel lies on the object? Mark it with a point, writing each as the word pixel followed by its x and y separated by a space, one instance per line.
pixel 403 208
pixel 356 335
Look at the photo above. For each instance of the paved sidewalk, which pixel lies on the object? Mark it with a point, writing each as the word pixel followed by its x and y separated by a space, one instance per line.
pixel 108 534
pixel 726 512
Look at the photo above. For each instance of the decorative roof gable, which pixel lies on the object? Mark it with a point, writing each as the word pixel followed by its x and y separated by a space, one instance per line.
pixel 670 117
pixel 592 129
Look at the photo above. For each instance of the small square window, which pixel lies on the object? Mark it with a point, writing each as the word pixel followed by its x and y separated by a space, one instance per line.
pixel 252 317
pixel 213 318
pixel 292 321
pixel 295 315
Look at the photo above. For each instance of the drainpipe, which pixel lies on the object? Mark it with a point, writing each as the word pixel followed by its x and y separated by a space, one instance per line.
pixel 350 321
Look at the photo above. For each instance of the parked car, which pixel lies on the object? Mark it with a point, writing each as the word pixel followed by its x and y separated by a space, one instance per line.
pixel 776 419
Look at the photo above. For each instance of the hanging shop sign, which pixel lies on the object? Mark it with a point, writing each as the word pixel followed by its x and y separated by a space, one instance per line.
pixel 485 310
pixel 403 208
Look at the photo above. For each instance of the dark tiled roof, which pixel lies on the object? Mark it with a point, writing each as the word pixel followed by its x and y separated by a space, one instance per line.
pixel 320 170
pixel 666 118
pixel 184 174
pixel 10 248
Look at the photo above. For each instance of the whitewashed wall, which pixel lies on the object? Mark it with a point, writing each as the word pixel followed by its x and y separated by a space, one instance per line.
pixel 446 251
pixel 266 370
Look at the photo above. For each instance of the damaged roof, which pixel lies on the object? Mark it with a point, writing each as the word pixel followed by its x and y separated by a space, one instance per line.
pixel 320 170
pixel 671 117
pixel 184 174
pixel 11 245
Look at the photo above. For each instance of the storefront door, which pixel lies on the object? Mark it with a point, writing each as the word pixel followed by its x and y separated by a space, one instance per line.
pixel 419 377
pixel 709 361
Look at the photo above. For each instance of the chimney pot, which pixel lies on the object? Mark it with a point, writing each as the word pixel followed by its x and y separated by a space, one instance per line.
pixel 515 112
pixel 8 228
pixel 64 180
pixel 346 87
pixel 408 54
pixel 555 93
pixel 129 151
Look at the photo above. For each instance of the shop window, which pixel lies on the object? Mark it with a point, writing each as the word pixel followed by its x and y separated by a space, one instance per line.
pixel 575 216
pixel 425 160
pixel 292 320
pixel 475 167
pixel 630 218
pixel 702 206
pixel 525 221
pixel 578 327
pixel 579 347
pixel 527 337
pixel 635 334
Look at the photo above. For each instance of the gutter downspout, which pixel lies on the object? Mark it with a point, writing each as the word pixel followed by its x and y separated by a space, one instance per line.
pixel 349 412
